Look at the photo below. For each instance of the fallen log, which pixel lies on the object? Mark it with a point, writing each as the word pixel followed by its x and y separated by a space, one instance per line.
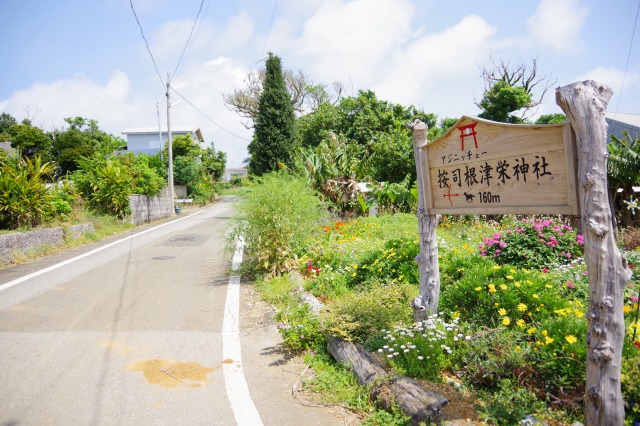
pixel 387 389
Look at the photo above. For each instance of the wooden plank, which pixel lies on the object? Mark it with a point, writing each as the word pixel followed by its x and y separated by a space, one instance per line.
pixel 484 167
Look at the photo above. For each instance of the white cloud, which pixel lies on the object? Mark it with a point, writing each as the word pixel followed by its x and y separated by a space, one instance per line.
pixel 353 39
pixel 557 24
pixel 110 104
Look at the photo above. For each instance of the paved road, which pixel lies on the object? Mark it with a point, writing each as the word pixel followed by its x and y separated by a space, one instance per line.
pixel 141 330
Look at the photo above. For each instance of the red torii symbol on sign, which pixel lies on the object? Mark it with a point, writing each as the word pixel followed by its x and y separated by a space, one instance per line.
pixel 468 130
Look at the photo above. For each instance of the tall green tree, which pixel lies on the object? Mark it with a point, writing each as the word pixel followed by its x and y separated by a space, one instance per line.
pixel 274 137
pixel 6 121
pixel 30 141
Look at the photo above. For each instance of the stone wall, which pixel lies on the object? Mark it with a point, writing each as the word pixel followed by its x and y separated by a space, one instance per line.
pixel 11 244
pixel 145 209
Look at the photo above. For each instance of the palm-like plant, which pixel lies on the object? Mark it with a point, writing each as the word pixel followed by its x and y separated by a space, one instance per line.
pixel 623 171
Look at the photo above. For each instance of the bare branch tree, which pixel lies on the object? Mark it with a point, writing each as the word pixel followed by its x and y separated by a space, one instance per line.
pixel 522 74
pixel 305 96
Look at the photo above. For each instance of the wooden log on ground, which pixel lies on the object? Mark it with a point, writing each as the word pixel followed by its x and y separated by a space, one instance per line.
pixel 385 388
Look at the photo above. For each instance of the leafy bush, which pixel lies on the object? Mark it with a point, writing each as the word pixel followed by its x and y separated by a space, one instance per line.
pixel 106 183
pixel 510 404
pixel 395 262
pixel 534 244
pixel 300 328
pixel 360 316
pixel 276 218
pixel 24 198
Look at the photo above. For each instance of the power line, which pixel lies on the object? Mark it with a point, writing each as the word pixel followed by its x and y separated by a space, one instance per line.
pixel 188 38
pixel 302 29
pixel 624 76
pixel 207 117
pixel 146 42
pixel 270 22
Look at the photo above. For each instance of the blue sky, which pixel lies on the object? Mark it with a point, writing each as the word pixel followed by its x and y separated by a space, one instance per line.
pixel 87 58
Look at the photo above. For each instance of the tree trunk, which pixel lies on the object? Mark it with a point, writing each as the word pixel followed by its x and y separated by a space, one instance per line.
pixel 427 301
pixel 584 103
pixel 388 390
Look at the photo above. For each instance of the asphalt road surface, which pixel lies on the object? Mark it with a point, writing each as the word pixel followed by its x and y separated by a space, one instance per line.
pixel 149 328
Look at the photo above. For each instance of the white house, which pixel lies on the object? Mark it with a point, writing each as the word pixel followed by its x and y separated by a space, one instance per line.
pixel 149 140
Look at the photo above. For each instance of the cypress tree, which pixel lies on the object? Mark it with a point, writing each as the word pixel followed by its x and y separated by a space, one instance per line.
pixel 274 136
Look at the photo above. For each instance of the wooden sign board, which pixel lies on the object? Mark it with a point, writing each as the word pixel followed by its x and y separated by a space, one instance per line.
pixel 485 167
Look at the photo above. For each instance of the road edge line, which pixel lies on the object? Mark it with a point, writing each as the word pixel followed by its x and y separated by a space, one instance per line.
pixel 244 410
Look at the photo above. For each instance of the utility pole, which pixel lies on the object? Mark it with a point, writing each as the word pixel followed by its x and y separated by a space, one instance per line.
pixel 159 128
pixel 170 173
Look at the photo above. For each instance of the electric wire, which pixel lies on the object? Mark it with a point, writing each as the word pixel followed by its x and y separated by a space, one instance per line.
pixel 302 29
pixel 188 39
pixel 270 23
pixel 626 67
pixel 146 42
pixel 207 117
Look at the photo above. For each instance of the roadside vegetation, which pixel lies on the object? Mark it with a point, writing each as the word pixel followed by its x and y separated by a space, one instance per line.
pixel 82 175
pixel 510 329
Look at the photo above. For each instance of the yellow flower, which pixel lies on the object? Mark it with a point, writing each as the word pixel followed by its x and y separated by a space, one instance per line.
pixel 627 309
pixel 548 340
pixel 571 339
pixel 520 322
pixel 513 271
pixel 509 277
pixel 478 288
pixel 496 267
pixel 518 347
pixel 535 296
pixel 531 330
pixel 503 287
pixel 517 284
pixel 548 286
pixel 506 321
pixel 355 266
pixel 545 332
pixel 522 307
pixel 502 311
pixel 492 288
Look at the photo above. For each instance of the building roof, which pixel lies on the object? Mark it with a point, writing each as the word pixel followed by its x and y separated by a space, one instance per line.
pixel 632 119
pixel 174 130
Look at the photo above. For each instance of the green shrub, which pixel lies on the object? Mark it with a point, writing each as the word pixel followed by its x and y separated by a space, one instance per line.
pixel 510 404
pixel 395 262
pixel 276 218
pixel 300 329
pixel 24 198
pixel 362 315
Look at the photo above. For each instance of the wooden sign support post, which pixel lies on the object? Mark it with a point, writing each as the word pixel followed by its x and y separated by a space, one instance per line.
pixel 427 302
pixel 585 103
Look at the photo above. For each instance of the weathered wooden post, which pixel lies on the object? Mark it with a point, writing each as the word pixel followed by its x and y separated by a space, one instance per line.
pixel 427 301
pixel 585 103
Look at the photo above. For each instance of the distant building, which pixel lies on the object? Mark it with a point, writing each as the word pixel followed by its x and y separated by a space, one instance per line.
pixel 234 173
pixel 149 140
pixel 619 122
pixel 6 146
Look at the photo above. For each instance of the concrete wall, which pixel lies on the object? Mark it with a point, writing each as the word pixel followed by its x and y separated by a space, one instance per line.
pixel 145 209
pixel 12 244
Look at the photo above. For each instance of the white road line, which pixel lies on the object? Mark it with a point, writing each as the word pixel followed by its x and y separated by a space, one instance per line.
pixel 242 405
pixel 22 279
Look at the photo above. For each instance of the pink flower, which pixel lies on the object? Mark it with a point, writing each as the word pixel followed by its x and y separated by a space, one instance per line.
pixel 545 270
pixel 570 284
pixel 502 244
pixel 580 239
pixel 634 299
